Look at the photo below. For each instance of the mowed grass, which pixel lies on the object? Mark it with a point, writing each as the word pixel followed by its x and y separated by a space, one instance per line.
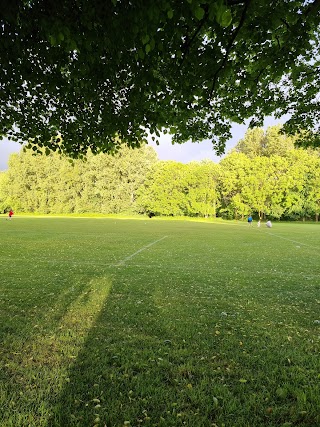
pixel 107 322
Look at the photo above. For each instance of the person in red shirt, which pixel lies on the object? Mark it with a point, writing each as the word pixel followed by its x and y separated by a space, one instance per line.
pixel 10 213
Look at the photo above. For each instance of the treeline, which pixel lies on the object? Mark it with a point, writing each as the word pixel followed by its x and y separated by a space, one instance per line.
pixel 54 184
pixel 263 175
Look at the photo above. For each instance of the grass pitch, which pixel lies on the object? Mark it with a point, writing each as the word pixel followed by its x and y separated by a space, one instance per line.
pixel 109 322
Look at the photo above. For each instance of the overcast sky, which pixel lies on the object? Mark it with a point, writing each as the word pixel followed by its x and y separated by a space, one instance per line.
pixel 184 153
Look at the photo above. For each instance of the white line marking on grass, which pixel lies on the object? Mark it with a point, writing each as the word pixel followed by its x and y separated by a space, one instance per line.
pixel 140 250
pixel 293 241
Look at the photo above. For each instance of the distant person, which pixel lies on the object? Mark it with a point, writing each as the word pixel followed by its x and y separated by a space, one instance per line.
pixel 250 220
pixel 10 214
pixel 259 223
pixel 268 224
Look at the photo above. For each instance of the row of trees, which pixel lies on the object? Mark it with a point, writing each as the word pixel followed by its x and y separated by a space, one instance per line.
pixel 54 184
pixel 280 187
pixel 264 175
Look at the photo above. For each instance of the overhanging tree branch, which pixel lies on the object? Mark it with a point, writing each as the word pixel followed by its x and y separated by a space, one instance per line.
pixel 100 69
pixel 228 49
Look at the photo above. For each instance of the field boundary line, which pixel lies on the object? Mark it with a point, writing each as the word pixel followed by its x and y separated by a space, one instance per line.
pixel 122 262
pixel 294 241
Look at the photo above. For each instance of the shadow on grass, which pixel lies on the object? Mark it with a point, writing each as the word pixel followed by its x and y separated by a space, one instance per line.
pixel 122 373
pixel 149 351
pixel 36 368
pixel 156 356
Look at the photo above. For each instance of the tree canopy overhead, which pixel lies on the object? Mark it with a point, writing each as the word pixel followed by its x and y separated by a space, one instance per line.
pixel 81 74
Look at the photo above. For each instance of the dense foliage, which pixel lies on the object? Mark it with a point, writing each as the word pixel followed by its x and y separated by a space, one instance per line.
pixel 81 74
pixel 173 188
pixel 278 187
pixel 264 175
pixel 54 184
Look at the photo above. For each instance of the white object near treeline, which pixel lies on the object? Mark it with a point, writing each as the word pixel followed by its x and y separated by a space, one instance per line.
pixel 268 224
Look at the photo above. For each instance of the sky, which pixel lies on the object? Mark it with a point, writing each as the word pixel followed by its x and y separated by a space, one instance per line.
pixel 183 153
pixel 195 151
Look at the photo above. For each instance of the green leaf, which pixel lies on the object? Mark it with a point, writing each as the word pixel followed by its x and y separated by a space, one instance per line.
pixel 52 40
pixel 226 18
pixel 213 10
pixel 152 44
pixel 141 54
pixel 145 39
pixel 60 37
pixel 222 14
pixel 199 13
pixel 170 14
pixel 73 45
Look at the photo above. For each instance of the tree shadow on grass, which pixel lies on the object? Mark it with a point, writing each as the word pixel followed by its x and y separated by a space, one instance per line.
pixel 36 368
pixel 143 351
pixel 120 366
pixel 158 355
pixel 136 367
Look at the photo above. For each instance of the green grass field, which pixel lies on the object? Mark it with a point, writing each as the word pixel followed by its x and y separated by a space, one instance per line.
pixel 114 322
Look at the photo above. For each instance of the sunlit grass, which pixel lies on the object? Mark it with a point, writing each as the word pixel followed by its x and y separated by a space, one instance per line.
pixel 215 325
